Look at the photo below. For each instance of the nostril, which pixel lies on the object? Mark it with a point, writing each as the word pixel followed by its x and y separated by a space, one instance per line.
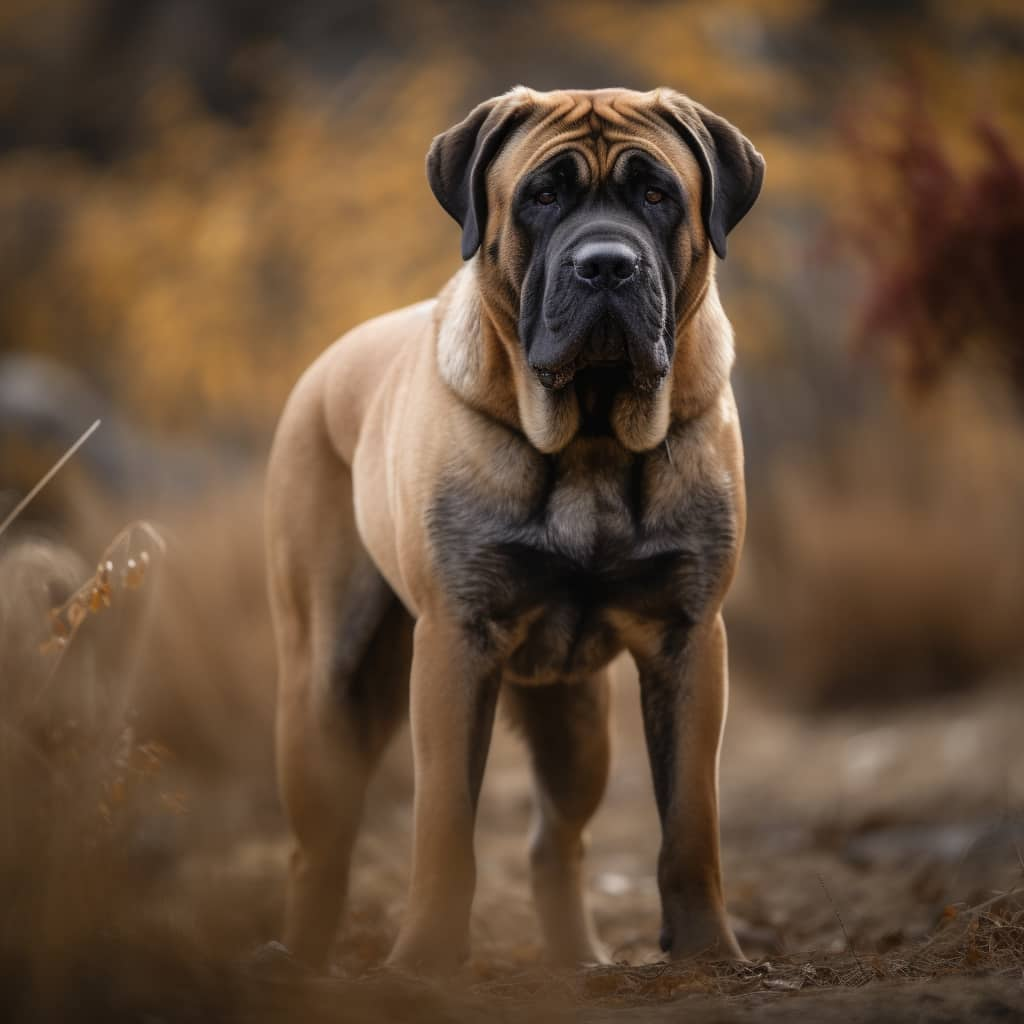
pixel 623 267
pixel 605 264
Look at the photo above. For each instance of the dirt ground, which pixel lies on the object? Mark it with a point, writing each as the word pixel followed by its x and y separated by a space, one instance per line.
pixel 865 854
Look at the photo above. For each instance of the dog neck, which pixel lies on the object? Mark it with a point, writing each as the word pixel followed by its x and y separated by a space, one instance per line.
pixel 704 356
pixel 479 357
pixel 473 357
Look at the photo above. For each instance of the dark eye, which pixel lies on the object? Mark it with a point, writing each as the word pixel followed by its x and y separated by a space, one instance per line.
pixel 654 196
pixel 545 198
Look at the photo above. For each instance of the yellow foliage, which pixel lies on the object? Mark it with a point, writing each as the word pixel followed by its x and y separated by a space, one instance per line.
pixel 203 274
pixel 197 273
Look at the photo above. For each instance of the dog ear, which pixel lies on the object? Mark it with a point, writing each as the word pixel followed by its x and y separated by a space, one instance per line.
pixel 458 160
pixel 733 170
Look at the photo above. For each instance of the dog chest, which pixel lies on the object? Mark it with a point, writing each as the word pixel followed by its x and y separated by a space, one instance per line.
pixel 546 584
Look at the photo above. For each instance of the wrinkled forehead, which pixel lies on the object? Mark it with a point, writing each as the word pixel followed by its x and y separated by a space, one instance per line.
pixel 597 128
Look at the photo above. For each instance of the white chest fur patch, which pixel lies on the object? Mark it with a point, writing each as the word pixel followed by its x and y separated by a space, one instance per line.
pixel 458 334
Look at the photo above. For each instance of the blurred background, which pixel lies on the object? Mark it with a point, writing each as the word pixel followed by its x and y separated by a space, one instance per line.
pixel 197 196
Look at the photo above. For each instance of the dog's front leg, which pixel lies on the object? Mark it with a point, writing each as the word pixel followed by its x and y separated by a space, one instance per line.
pixel 452 700
pixel 684 691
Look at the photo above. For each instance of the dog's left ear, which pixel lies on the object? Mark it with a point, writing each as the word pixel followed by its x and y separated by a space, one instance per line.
pixel 733 170
pixel 458 160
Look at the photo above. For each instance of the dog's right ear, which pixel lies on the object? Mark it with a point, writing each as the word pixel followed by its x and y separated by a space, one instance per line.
pixel 458 160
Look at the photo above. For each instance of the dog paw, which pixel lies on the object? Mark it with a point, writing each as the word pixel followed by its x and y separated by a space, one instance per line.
pixel 417 958
pixel 590 953
pixel 273 961
pixel 700 944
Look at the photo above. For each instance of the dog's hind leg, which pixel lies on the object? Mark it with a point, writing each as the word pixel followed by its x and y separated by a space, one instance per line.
pixel 341 707
pixel 566 728
pixel 344 646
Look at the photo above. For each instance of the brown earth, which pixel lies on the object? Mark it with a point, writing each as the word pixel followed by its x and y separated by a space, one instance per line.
pixel 864 854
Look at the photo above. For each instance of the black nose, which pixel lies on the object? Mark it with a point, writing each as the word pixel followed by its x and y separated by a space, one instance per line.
pixel 605 264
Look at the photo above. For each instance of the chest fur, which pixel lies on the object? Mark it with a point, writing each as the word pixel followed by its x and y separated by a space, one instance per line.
pixel 548 572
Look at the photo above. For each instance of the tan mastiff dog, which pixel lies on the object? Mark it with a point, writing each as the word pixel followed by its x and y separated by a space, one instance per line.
pixel 504 488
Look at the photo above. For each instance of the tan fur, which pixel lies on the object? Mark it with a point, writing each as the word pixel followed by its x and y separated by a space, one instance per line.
pixel 430 392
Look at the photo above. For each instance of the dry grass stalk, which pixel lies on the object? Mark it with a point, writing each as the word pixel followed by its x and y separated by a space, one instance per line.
pixel 842 924
pixel 47 477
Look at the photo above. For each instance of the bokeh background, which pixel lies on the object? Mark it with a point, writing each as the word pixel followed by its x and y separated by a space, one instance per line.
pixel 197 196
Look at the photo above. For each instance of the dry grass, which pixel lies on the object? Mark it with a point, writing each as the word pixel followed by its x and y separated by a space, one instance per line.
pixel 890 558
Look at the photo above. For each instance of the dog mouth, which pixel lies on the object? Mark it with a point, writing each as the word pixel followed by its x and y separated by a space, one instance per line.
pixel 605 347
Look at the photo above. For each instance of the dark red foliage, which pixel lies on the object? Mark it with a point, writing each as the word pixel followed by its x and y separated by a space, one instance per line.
pixel 945 254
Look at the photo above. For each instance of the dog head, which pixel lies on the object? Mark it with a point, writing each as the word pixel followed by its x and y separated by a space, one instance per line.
pixel 595 215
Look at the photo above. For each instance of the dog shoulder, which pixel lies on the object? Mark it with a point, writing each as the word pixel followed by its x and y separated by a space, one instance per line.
pixel 356 365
